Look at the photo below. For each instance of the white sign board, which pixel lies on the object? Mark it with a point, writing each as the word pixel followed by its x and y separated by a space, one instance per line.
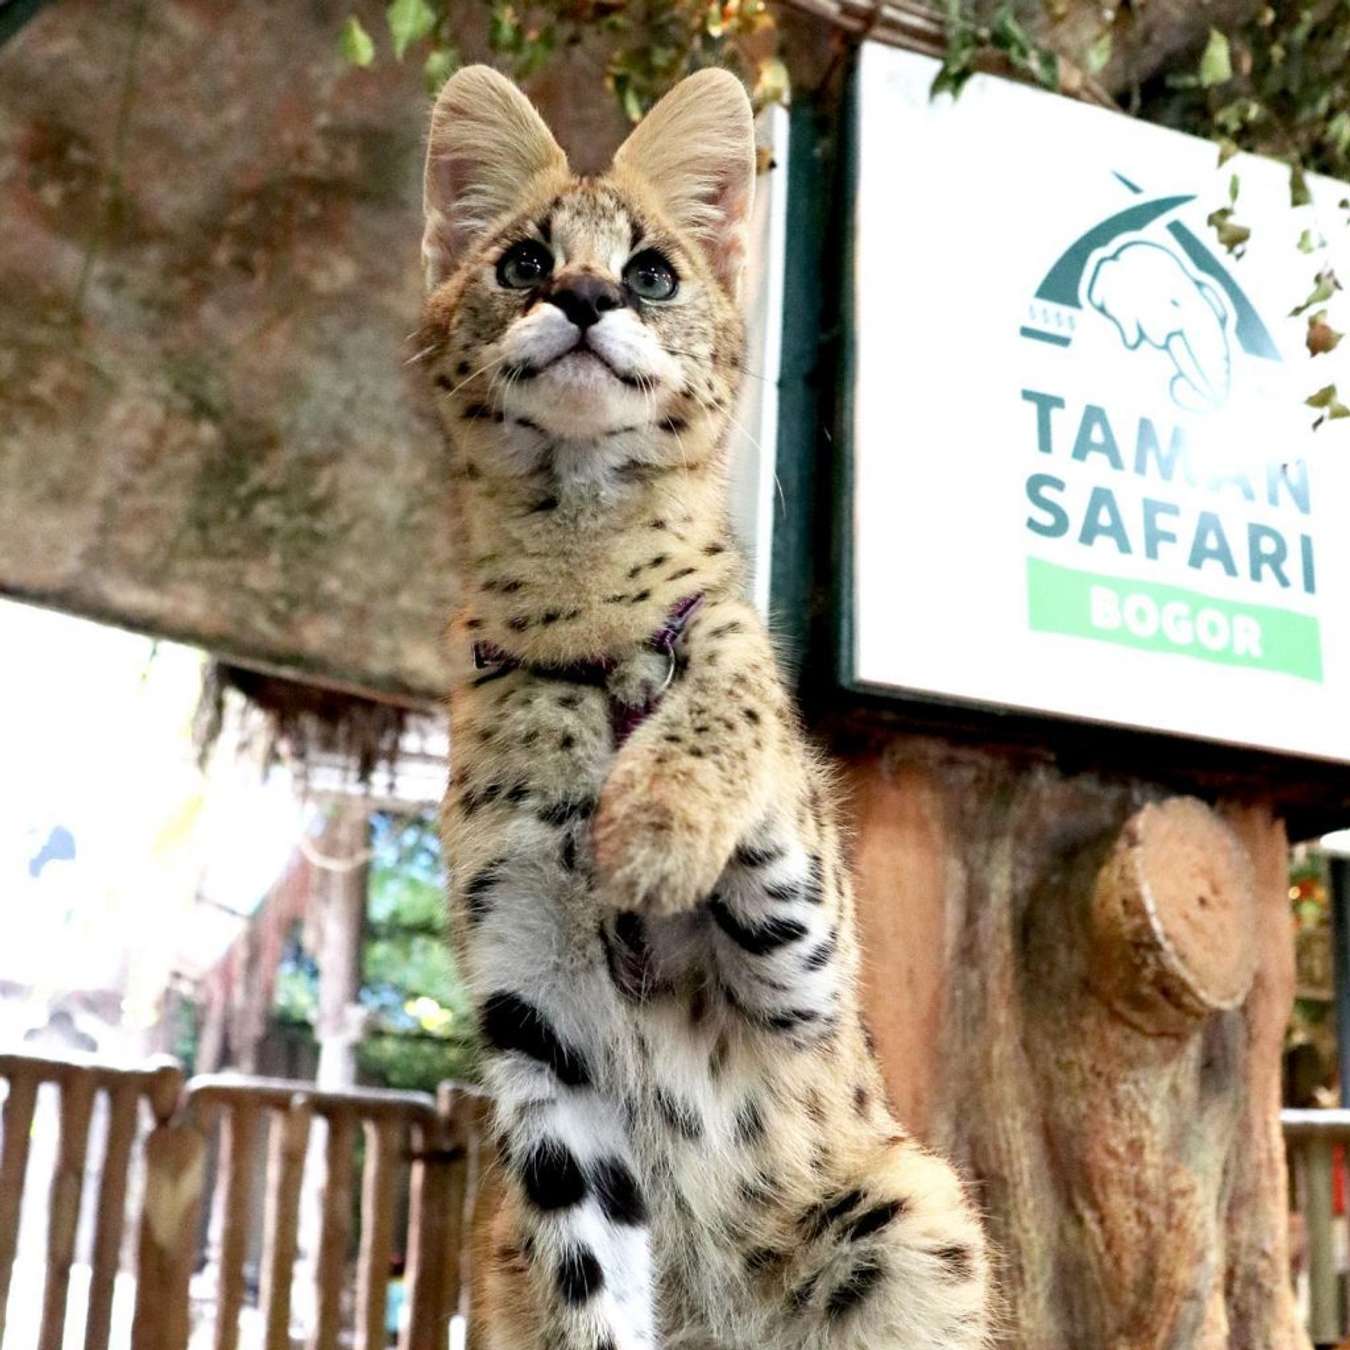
pixel 1085 482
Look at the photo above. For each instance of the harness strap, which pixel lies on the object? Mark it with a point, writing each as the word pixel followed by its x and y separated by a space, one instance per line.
pixel 625 718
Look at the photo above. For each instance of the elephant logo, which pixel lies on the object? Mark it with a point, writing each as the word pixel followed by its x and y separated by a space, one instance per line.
pixel 1161 287
pixel 1153 300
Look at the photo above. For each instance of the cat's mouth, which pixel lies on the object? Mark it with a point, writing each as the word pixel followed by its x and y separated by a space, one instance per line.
pixel 578 359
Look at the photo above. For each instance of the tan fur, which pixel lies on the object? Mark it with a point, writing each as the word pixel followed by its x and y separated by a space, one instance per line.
pixel 660 932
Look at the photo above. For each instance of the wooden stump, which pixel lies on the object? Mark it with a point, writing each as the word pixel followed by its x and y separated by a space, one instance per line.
pixel 1091 1024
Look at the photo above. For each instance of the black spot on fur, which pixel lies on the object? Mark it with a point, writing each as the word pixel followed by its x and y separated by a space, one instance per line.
pixel 860 1100
pixel 681 1117
pixel 551 1176
pixel 567 810
pixel 874 1219
pixel 820 957
pixel 748 856
pixel 519 624
pixel 749 1122
pixel 445 382
pixel 478 412
pixel 579 1276
pixel 819 1217
pixel 463 368
pixel 680 572
pixel 799 1297
pixel 764 1258
pixel 617 1190
pixel 544 504
pixel 759 939
pixel 476 893
pixel 673 426
pixel 712 550
pixel 958 1261
pixel 862 1279
pixel 734 626
pixel 510 1023
pixel 489 676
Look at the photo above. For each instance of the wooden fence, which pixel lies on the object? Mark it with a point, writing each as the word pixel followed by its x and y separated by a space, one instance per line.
pixel 418 1167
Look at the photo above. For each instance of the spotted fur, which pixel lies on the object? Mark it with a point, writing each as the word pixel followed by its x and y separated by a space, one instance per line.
pixel 696 1150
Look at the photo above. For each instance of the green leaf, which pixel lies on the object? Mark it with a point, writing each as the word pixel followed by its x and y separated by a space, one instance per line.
pixel 441 63
pixel 1298 187
pixel 409 22
pixel 1330 404
pixel 1325 285
pixel 1099 54
pixel 354 43
pixel 1216 61
pixel 1231 235
pixel 1310 243
pixel 1227 149
pixel 1234 187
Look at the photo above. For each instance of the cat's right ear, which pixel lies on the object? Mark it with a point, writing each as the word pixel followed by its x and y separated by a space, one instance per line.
pixel 486 147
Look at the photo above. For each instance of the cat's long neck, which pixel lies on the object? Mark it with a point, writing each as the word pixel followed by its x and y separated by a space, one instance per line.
pixel 583 554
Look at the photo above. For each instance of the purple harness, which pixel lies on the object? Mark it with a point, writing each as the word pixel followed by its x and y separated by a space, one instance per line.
pixel 625 718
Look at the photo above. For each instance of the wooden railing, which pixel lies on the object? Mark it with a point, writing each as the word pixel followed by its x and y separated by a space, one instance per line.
pixel 421 1158
pixel 1309 1137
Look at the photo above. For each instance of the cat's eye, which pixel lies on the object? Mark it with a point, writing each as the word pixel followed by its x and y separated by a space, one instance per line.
pixel 523 265
pixel 649 276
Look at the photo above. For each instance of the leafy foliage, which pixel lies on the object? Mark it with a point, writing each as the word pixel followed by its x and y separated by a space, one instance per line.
pixel 652 44
pixel 420 1026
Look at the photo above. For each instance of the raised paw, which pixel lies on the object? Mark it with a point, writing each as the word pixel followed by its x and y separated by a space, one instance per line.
pixel 659 847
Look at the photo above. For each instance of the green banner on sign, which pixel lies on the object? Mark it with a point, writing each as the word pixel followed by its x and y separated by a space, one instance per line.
pixel 1169 619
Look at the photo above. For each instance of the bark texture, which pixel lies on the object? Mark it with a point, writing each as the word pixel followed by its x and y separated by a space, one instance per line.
pixel 1080 988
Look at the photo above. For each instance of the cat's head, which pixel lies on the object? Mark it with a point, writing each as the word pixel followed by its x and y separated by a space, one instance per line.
pixel 587 306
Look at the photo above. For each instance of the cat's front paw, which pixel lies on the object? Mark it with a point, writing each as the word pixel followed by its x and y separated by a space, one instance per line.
pixel 658 848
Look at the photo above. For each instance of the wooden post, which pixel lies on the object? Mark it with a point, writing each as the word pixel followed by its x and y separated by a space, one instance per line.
pixel 175 1173
pixel 335 1236
pixel 287 1144
pixel 377 1232
pixel 233 1197
pixel 124 1103
pixel 1092 979
pixel 17 1124
pixel 429 1232
pixel 63 1213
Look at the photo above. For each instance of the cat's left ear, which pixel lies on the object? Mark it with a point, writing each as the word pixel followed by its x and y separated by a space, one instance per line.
pixel 487 148
pixel 696 151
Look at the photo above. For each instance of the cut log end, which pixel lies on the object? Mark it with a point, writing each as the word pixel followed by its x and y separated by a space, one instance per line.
pixel 1174 919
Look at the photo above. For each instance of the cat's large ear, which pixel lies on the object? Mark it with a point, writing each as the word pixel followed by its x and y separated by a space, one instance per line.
pixel 696 151
pixel 486 148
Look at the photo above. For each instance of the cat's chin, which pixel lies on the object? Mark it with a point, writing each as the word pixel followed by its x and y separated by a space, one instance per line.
pixel 580 397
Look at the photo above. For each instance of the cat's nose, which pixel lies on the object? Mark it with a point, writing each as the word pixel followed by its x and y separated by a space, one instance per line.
pixel 585 299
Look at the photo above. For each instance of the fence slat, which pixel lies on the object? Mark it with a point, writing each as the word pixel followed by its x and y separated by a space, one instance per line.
pixel 234 1193
pixel 1314 1167
pixel 377 1233
pixel 123 1108
pixel 63 1206
pixel 431 1223
pixel 464 1119
pixel 337 1230
pixel 175 1176
pixel 17 1124
pixel 285 1172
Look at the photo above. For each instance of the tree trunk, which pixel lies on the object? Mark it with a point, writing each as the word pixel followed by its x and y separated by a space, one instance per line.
pixel 1095 979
